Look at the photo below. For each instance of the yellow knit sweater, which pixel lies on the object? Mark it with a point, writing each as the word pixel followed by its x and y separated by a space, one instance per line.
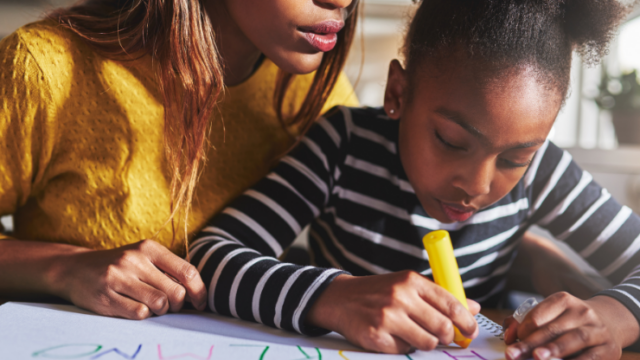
pixel 81 154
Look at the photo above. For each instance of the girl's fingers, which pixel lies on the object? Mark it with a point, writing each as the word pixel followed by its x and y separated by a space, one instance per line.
pixel 431 320
pixel 600 352
pixel 510 330
pixel 545 312
pixel 179 269
pixel 419 338
pixel 474 307
pixel 451 308
pixel 174 292
pixel 567 323
pixel 124 307
pixel 569 343
pixel 386 343
pixel 155 300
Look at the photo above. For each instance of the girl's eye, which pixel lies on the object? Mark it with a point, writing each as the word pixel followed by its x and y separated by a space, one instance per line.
pixel 448 144
pixel 510 164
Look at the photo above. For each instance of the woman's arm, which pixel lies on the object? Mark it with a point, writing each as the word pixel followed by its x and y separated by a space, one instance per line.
pixel 130 282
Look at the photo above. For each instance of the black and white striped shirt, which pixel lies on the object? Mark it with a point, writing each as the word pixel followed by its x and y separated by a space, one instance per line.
pixel 347 181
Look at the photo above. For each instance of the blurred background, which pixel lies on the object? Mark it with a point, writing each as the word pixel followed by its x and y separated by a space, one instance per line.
pixel 599 125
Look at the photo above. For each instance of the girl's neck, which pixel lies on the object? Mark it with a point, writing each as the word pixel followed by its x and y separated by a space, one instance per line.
pixel 239 55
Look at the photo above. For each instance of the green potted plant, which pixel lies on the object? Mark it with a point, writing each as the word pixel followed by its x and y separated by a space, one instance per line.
pixel 621 96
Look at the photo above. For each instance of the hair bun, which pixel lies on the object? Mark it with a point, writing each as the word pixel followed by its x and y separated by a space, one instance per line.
pixel 591 24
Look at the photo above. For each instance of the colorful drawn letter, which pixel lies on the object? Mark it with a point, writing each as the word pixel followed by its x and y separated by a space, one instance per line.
pixel 117 351
pixel 68 351
pixel 474 355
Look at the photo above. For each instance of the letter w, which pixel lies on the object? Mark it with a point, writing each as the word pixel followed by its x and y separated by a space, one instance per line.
pixel 117 351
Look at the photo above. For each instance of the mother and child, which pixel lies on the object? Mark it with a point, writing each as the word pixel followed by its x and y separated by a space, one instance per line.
pixel 148 119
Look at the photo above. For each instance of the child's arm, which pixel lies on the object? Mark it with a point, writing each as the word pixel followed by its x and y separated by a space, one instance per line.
pixel 236 253
pixel 576 210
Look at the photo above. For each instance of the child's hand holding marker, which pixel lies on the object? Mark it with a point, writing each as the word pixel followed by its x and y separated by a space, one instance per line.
pixel 393 313
pixel 396 312
pixel 563 325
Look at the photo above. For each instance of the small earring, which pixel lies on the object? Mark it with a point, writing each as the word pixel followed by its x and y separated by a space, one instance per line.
pixel 392 111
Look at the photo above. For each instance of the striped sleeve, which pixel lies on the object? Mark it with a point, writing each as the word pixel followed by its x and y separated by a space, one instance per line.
pixel 236 253
pixel 576 210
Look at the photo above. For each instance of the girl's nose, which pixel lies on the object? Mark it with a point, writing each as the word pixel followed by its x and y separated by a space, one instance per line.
pixel 476 180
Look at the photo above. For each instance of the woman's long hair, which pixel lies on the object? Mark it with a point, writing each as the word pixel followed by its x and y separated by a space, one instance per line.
pixel 180 38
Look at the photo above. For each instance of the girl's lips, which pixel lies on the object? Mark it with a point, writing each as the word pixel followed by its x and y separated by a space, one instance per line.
pixel 456 213
pixel 322 36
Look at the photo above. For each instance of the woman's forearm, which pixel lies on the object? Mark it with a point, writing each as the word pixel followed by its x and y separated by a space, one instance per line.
pixel 28 267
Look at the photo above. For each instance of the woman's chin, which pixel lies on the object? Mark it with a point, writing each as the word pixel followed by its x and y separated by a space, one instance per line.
pixel 298 63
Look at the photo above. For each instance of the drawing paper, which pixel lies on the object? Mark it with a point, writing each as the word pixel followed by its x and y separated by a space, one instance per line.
pixel 44 331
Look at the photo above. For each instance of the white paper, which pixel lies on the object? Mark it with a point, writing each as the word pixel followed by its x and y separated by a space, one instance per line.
pixel 43 331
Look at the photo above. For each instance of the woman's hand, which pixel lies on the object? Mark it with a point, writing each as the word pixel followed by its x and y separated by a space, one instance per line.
pixel 133 282
pixel 392 313
pixel 563 325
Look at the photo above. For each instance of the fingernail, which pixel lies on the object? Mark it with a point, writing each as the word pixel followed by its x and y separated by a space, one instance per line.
pixel 513 353
pixel 543 353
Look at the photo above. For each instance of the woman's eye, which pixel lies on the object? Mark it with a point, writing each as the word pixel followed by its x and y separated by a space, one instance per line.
pixel 448 144
pixel 512 164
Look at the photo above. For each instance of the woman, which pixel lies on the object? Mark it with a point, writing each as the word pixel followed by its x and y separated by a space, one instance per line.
pixel 108 112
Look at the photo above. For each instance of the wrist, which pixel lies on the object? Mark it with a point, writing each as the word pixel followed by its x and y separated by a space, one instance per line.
pixel 618 319
pixel 59 270
pixel 325 311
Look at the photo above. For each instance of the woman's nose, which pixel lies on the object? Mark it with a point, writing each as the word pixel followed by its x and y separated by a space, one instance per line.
pixel 338 4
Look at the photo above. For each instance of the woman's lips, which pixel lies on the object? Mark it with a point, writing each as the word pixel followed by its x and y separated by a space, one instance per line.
pixel 457 212
pixel 322 36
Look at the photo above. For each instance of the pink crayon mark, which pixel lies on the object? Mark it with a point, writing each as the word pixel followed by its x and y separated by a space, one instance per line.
pixel 161 357
pixel 458 357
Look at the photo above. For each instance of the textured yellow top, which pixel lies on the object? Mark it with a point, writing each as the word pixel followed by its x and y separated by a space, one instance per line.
pixel 81 151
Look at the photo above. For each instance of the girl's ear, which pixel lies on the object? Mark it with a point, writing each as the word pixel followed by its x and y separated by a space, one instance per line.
pixel 396 87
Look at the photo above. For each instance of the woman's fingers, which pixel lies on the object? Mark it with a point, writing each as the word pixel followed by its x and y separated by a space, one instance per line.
pixel 179 269
pixel 154 299
pixel 174 292
pixel 124 307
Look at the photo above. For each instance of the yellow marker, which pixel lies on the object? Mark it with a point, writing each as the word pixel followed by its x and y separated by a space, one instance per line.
pixel 445 272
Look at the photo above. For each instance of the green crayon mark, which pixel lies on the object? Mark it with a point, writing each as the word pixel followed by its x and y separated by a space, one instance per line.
pixel 408 357
pixel 46 352
pixel 319 354
pixel 264 352
pixel 302 351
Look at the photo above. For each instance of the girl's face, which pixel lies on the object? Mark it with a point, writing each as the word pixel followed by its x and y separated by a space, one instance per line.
pixel 465 142
pixel 294 34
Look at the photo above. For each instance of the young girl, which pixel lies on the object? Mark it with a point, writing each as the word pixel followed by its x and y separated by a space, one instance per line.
pixel 460 145
pixel 92 97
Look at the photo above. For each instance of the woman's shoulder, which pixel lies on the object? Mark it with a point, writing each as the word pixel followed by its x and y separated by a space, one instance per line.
pixel 45 39
pixel 52 49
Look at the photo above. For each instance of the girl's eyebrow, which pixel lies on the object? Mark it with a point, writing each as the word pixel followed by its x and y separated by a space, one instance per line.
pixel 459 119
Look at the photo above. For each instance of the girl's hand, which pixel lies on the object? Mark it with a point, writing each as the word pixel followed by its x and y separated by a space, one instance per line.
pixel 133 282
pixel 563 325
pixel 392 313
